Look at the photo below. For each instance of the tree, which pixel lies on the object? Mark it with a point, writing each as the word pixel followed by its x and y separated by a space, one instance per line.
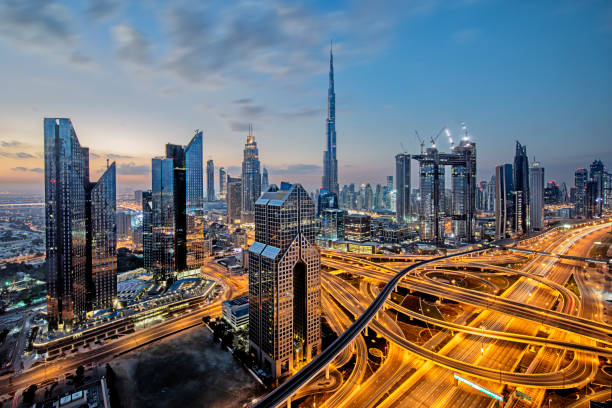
pixel 206 319
pixel 29 394
pixel 80 375
pixel 227 340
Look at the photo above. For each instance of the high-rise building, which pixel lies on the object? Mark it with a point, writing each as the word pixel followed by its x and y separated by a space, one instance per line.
pixel 536 196
pixel 332 224
pixel 598 175
pixel 234 199
pixel 147 230
pixel 431 190
pixel 264 180
pixel 463 193
pixel 580 180
pixel 210 181
pixel 222 183
pixel 591 196
pixel 251 178
pixel 124 224
pixel 80 228
pixel 504 200
pixel 193 171
pixel 330 162
pixel 162 217
pixel 284 281
pixel 552 193
pixel 102 239
pixel 138 196
pixel 521 190
pixel 357 227
pixel 326 200
pixel 402 187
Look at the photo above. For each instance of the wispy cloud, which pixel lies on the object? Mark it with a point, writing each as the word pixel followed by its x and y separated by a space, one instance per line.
pixel 300 168
pixel 24 169
pixel 18 155
pixel 102 9
pixel 133 47
pixel 13 144
pixel 132 169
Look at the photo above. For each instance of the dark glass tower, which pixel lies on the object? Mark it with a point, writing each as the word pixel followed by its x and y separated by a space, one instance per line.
pixel 147 230
pixel 163 217
pixel 210 181
pixel 222 183
pixel 521 190
pixel 193 171
pixel 330 163
pixel 264 180
pixel 284 281
pixel 81 232
pixel 234 199
pixel 251 178
pixel 102 239
pixel 326 200
pixel 402 187
pixel 504 200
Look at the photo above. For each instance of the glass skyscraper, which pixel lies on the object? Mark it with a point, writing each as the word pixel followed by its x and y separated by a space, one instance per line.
pixel 504 200
pixel 251 178
pixel 80 228
pixel 163 217
pixel 284 281
pixel 210 181
pixel 536 197
pixel 330 162
pixel 521 190
pixel 402 187
pixel 193 171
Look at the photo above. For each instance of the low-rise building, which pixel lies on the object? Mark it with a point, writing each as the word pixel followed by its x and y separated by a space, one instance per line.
pixel 236 312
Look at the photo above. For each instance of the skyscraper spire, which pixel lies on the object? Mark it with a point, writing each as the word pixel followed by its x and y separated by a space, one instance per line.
pixel 330 163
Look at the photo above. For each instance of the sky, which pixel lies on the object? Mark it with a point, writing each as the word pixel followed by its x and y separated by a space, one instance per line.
pixel 136 75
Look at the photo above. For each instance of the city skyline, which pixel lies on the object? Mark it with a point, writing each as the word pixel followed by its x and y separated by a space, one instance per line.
pixel 293 103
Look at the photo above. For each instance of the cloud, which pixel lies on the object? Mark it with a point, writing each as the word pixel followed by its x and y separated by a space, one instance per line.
pixel 252 110
pixel 33 170
pixel 114 156
pixel 301 168
pixel 132 46
pixel 80 59
pixel 35 23
pixel 131 169
pixel 465 36
pixel 234 171
pixel 236 126
pixel 243 101
pixel 102 9
pixel 18 155
pixel 12 143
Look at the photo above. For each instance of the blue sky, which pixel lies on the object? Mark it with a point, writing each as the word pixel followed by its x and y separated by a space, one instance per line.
pixel 138 74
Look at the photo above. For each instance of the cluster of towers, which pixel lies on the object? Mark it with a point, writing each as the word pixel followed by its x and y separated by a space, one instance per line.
pixel 81 231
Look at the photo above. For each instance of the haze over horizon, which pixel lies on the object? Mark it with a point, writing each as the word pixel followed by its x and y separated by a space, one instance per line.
pixel 135 76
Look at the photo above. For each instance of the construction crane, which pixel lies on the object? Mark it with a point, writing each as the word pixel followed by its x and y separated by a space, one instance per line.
pixel 421 140
pixel 450 138
pixel 435 138
pixel 466 136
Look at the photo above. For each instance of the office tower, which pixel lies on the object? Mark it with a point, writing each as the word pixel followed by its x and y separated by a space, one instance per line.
pixel 330 162
pixel 210 181
pixel 264 180
pixel 138 196
pixel 536 196
pixel 607 190
pixel 163 217
pixel 521 190
pixel 193 171
pixel 196 239
pixel 431 191
pixel 463 177
pixel 177 154
pixel 504 200
pixel 124 224
pixel 597 174
pixel 332 224
pixel 564 196
pixel 326 200
pixel 222 183
pixel 234 199
pixel 357 227
pixel 102 239
pixel 284 281
pixel 251 178
pixel 369 198
pixel 591 195
pixel 552 193
pixel 402 187
pixel 580 180
pixel 147 230
pixel 378 198
pixel 492 194
pixel 80 228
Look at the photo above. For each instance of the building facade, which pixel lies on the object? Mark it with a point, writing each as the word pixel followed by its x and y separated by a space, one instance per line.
pixel 193 171
pixel 222 183
pixel 504 200
pixel 521 190
pixel 234 199
pixel 536 197
pixel 210 181
pixel 330 162
pixel 251 179
pixel 402 187
pixel 81 231
pixel 284 281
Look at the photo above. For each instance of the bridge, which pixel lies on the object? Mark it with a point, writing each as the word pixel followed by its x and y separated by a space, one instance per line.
pixel 570 257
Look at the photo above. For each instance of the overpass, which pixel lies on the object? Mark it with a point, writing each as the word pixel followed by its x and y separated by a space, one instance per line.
pixel 289 388
pixel 570 257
